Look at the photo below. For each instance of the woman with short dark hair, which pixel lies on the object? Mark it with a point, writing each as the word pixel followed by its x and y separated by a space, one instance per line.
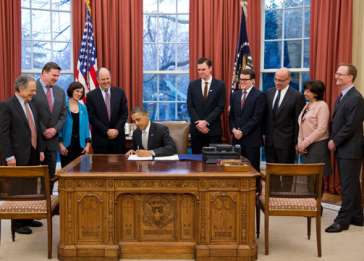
pixel 313 124
pixel 74 139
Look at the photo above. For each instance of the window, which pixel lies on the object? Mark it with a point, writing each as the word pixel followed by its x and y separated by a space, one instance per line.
pixel 166 58
pixel 286 40
pixel 46 36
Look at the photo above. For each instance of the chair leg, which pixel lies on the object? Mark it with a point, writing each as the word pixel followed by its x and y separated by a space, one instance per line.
pixel 266 233
pixel 257 217
pixel 318 235
pixel 49 230
pixel 12 230
pixel 309 228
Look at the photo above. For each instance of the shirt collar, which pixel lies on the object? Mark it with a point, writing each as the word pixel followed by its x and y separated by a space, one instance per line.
pixel 20 99
pixel 147 128
pixel 346 90
pixel 208 80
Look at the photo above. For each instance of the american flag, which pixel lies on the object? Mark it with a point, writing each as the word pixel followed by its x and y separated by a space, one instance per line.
pixel 87 61
pixel 243 59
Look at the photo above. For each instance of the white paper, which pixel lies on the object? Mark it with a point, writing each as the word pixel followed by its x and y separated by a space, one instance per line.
pixel 172 157
pixel 135 157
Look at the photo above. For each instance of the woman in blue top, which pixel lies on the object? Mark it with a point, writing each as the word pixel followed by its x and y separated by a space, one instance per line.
pixel 74 139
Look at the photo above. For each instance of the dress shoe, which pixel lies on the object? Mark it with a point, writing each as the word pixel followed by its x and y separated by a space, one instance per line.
pixel 357 222
pixel 33 223
pixel 336 227
pixel 23 230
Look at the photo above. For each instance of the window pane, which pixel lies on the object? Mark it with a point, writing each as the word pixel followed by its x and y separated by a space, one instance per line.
pixel 149 57
pixel 182 112
pixel 150 6
pixel 182 82
pixel 65 80
pixel 307 22
pixel 41 25
pixel 167 29
pixel 307 2
pixel 272 55
pixel 41 54
pixel 182 28
pixel 306 54
pixel 25 3
pixel 167 57
pixel 292 54
pixel 292 3
pixel 183 57
pixel 167 6
pixel 273 4
pixel 41 4
pixel 183 6
pixel 273 24
pixel 268 81
pixel 25 24
pixel 61 5
pixel 26 54
pixel 61 23
pixel 167 87
pixel 62 54
pixel 167 111
pixel 151 107
pixel 150 92
pixel 150 29
pixel 295 80
pixel 293 23
pixel 306 76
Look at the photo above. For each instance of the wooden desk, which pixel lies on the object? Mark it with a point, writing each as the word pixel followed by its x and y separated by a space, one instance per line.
pixel 112 208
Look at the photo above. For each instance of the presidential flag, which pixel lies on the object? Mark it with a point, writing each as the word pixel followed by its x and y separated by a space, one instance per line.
pixel 243 59
pixel 87 61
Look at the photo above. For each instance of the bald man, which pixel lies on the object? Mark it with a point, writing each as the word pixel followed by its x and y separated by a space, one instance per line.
pixel 284 104
pixel 108 112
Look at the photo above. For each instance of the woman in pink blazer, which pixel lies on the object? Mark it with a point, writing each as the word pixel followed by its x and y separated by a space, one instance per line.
pixel 313 124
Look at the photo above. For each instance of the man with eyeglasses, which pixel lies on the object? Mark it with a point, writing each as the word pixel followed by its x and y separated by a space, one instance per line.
pixel 247 106
pixel 346 141
pixel 284 104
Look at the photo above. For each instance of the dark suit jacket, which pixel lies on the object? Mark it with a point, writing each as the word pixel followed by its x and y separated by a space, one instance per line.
pixel 98 115
pixel 48 119
pixel 15 134
pixel 159 140
pixel 209 110
pixel 249 118
pixel 347 125
pixel 282 130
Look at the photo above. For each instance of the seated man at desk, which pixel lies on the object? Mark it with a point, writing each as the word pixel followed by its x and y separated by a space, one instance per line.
pixel 150 139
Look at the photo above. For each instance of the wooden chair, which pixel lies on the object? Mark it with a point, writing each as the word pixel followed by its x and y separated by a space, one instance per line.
pixel 35 206
pixel 301 199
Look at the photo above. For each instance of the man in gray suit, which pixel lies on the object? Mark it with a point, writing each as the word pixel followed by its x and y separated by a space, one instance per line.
pixel 346 141
pixel 51 108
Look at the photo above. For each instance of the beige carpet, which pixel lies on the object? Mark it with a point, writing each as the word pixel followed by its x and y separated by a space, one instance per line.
pixel 288 242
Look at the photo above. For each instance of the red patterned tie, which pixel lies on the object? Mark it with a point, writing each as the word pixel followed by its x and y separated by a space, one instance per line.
pixel 243 98
pixel 31 124
pixel 107 103
pixel 49 98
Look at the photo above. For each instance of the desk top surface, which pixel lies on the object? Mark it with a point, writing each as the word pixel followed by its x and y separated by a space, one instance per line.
pixel 117 165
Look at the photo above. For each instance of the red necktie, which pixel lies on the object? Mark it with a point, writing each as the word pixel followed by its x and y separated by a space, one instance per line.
pixel 205 90
pixel 31 124
pixel 49 98
pixel 243 98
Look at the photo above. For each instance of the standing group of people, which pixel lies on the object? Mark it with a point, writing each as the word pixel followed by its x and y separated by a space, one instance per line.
pixel 40 120
pixel 287 125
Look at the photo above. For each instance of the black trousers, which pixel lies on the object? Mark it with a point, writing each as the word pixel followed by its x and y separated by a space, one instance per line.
pixel 199 140
pixel 349 171
pixel 274 155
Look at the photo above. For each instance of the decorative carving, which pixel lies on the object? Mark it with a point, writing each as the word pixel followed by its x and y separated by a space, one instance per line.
pixel 244 218
pixel 158 211
pixel 187 207
pixel 170 184
pixel 223 213
pixel 207 184
pixel 98 184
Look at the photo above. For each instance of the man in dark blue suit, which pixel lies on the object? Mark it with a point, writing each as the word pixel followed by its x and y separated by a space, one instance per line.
pixel 346 142
pixel 108 112
pixel 205 103
pixel 150 139
pixel 247 105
